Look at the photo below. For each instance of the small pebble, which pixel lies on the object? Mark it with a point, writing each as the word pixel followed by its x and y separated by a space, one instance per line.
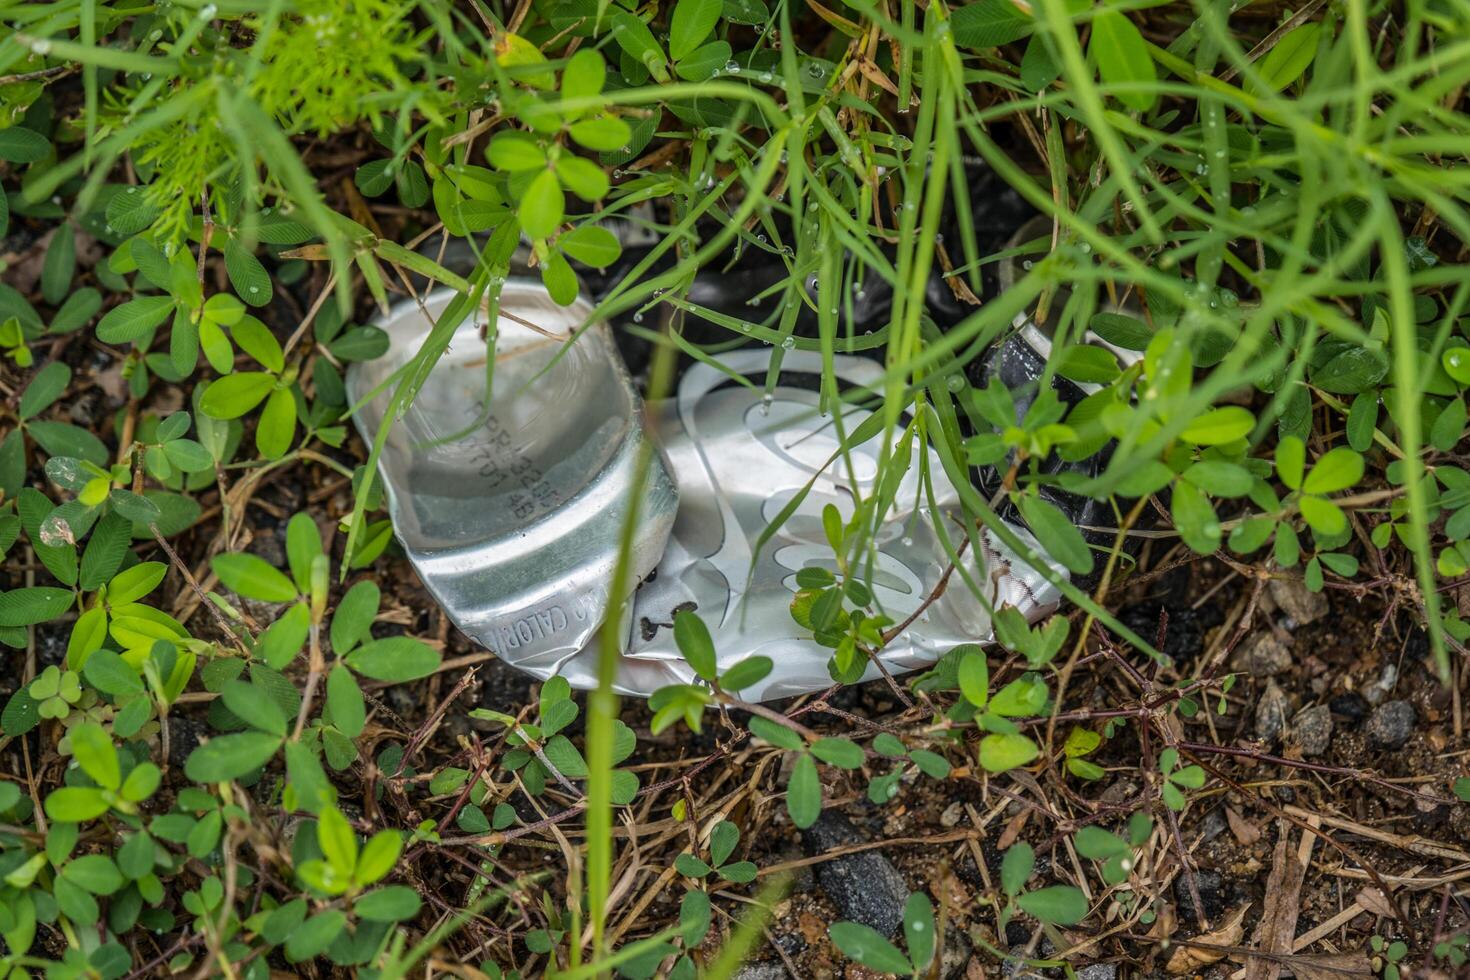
pixel 864 886
pixel 1351 706
pixel 1296 600
pixel 1375 693
pixel 1211 895
pixel 1311 729
pixel 1271 713
pixel 1391 724
pixel 1264 655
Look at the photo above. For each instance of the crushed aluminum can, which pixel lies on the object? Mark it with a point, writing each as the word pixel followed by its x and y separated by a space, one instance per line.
pixel 513 514
pixel 529 587
pixel 739 458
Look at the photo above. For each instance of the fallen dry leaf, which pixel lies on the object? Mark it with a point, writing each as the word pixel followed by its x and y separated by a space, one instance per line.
pixel 1372 899
pixel 1329 966
pixel 1245 831
pixel 1209 947
pixel 1283 904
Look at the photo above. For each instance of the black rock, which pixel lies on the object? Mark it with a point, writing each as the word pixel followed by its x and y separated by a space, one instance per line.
pixel 1211 895
pixel 184 735
pixel 1391 724
pixel 1017 933
pixel 1352 706
pixel 865 886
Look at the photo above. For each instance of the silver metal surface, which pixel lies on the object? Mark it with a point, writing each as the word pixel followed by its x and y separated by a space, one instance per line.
pixel 521 566
pixel 738 460
pixel 513 516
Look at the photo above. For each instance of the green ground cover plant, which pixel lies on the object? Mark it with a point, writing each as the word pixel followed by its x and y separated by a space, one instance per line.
pixel 1252 254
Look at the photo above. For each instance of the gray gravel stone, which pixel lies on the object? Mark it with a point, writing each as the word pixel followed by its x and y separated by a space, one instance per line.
pixel 864 886
pixel 1311 729
pixel 1296 600
pixel 1391 724
pixel 1271 713
pixel 1098 971
pixel 1264 655
pixel 764 970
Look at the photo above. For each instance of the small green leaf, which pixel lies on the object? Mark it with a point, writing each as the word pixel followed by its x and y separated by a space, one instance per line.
pixel 751 670
pixel 253 577
pixel 704 62
pixel 227 757
pixel 247 275
pixel 345 702
pixel 1001 752
pixel 840 752
pixel 395 659
pixel 1122 331
pixel 974 675
pixel 92 747
pixel 1337 470
pixel 1015 867
pixel 354 616
pixel 75 804
pixel 1099 845
pixel 1285 63
pixel 315 935
pixel 27 607
pixel 1060 905
pixel 804 792
pixel 95 872
pixel 1062 539
pixel 134 319
pixel 778 735
pixel 1325 517
pixel 990 23
pixel 693 640
pixel 542 206
pixel 21 145
pixel 513 151
pixel 691 23
pixel 232 396
pixel 918 929
pixel 47 386
pixel 605 133
pixel 254 706
pixel 394 903
pixel 634 37
pixel 1218 425
pixel 591 245
pixel 867 946
pixel 690 866
pixel 277 426
pixel 1291 455
pixel 338 842
pixel 1122 58
pixel 1087 364
pixel 584 75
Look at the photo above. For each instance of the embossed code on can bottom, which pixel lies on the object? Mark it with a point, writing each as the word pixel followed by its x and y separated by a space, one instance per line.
pixel 530 583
